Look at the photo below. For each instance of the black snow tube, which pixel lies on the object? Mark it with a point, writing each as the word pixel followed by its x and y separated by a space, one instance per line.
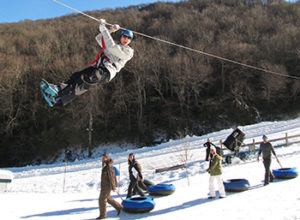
pixel 285 173
pixel 235 139
pixel 236 185
pixel 138 204
pixel 146 184
pixel 161 189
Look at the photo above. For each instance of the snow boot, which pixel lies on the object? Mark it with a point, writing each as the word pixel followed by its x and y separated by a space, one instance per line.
pixel 49 88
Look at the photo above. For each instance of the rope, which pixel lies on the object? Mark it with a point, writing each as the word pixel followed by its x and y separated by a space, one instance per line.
pixel 187 48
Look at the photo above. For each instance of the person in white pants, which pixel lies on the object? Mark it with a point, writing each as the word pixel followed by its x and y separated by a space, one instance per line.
pixel 215 171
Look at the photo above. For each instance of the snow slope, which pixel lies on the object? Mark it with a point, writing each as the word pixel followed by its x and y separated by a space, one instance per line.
pixel 38 192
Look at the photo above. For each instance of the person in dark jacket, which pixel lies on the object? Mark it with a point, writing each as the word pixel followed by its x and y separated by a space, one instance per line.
pixel 108 184
pixel 208 144
pixel 135 175
pixel 267 149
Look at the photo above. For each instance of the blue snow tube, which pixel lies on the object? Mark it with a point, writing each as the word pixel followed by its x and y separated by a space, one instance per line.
pixel 138 204
pixel 116 171
pixel 161 189
pixel 236 185
pixel 285 173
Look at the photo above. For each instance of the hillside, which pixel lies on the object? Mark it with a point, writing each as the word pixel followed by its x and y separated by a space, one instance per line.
pixel 43 185
pixel 164 92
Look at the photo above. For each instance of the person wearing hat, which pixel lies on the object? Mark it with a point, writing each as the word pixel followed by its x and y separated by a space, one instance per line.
pixel 215 171
pixel 207 145
pixel 108 184
pixel 109 61
pixel 135 176
pixel 266 149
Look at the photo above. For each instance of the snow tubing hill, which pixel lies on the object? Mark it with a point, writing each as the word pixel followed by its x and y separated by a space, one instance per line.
pixel 161 189
pixel 236 185
pixel 285 173
pixel 138 204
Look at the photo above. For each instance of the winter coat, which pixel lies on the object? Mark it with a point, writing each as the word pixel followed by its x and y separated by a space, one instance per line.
pixel 266 149
pixel 134 170
pixel 215 167
pixel 207 145
pixel 117 54
pixel 108 176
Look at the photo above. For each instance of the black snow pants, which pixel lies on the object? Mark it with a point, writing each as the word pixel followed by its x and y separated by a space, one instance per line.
pixel 207 154
pixel 268 174
pixel 134 187
pixel 80 82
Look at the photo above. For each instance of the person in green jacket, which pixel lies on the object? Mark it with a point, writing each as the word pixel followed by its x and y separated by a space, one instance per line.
pixel 215 171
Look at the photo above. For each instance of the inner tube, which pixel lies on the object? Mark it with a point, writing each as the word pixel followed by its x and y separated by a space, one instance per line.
pixel 5 180
pixel 234 140
pixel 138 204
pixel 236 185
pixel 116 171
pixel 161 189
pixel 285 173
pixel 146 184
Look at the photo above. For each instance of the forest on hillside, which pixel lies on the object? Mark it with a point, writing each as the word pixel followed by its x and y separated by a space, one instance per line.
pixel 164 91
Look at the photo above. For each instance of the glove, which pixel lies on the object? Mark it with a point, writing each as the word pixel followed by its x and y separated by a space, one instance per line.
pixel 102 21
pixel 114 28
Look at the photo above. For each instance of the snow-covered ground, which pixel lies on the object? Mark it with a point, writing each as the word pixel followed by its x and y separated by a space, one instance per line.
pixel 38 192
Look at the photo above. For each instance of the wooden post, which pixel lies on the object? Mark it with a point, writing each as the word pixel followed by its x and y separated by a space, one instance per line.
pixel 66 163
pixel 221 146
pixel 119 178
pixel 90 130
pixel 286 139
pixel 253 146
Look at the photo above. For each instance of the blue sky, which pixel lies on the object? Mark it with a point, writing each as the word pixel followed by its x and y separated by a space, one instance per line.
pixel 19 10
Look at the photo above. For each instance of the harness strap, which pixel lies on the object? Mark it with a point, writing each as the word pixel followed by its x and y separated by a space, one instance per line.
pixel 102 56
pixel 100 53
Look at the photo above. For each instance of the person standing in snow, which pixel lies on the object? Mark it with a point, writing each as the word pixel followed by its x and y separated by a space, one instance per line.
pixel 215 171
pixel 108 184
pixel 266 149
pixel 109 61
pixel 135 175
pixel 207 145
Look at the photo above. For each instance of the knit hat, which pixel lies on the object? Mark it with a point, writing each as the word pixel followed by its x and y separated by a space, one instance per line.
pixel 264 137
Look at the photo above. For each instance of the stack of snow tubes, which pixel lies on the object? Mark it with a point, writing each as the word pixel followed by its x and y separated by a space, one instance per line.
pixel 236 185
pixel 285 173
pixel 138 204
pixel 161 189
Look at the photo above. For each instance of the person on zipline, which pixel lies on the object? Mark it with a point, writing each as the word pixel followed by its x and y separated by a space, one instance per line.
pixel 109 61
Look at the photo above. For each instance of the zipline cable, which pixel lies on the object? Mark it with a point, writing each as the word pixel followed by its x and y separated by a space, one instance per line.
pixel 186 48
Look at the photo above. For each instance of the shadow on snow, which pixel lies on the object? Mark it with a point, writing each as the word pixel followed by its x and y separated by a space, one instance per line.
pixel 62 212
